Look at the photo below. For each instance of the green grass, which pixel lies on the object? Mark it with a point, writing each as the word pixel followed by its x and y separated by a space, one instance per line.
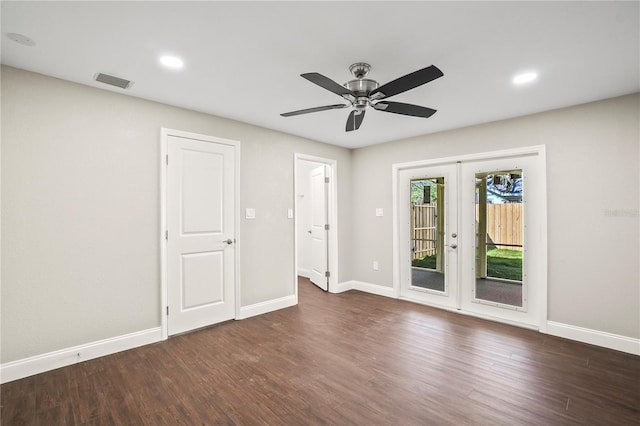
pixel 506 264
pixel 506 254
pixel 428 262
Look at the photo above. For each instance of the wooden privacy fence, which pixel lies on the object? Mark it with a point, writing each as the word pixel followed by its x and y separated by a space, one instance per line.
pixel 504 227
pixel 423 229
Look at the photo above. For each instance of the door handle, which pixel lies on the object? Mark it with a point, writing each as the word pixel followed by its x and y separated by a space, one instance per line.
pixel 453 246
pixel 228 241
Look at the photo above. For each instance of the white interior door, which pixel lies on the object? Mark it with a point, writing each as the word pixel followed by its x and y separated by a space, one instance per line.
pixel 319 226
pixel 428 248
pixel 200 211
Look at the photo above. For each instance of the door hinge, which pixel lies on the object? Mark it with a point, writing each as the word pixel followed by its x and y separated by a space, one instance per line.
pixel 326 180
pixel 166 235
pixel 167 311
pixel 167 159
pixel 326 227
pixel 327 274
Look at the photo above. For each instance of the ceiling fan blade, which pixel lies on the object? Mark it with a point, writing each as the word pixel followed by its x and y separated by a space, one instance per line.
pixel 316 109
pixel 404 109
pixel 328 84
pixel 407 82
pixel 354 121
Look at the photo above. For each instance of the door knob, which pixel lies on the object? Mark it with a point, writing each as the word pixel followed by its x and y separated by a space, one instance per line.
pixel 453 246
pixel 229 241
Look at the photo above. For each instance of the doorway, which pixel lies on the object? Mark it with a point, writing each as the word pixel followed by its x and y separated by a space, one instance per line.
pixel 315 219
pixel 472 235
pixel 199 230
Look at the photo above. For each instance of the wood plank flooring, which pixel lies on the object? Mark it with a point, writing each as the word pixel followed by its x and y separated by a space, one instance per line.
pixel 345 359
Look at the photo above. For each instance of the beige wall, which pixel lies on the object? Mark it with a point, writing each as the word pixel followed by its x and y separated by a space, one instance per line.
pixel 593 191
pixel 80 211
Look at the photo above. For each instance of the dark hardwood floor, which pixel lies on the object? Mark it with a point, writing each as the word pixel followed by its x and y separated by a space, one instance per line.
pixel 345 359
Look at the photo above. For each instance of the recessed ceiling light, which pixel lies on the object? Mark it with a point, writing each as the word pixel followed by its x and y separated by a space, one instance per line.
pixel 171 62
pixel 526 77
pixel 21 39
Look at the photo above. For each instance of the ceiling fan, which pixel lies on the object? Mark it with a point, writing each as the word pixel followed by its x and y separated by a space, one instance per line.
pixel 363 92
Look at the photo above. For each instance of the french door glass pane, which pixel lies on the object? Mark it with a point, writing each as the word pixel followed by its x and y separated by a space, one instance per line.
pixel 499 237
pixel 427 233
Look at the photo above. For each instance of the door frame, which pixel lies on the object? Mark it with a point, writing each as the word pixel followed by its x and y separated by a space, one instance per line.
pixel 165 133
pixel 332 216
pixel 541 210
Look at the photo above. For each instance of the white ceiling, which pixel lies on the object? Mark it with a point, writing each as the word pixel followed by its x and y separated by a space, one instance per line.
pixel 243 59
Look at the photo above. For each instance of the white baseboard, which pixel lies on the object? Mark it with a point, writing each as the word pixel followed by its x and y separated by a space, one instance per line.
pixel 594 337
pixel 304 273
pixel 378 289
pixel 341 287
pixel 268 306
pixel 50 361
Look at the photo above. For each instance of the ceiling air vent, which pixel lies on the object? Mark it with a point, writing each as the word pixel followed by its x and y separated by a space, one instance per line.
pixel 113 81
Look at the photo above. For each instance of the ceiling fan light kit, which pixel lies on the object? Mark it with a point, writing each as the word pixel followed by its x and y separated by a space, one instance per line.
pixel 363 92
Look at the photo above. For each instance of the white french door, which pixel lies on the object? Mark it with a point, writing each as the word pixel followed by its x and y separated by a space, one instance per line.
pixel 430 229
pixel 200 231
pixel 472 236
pixel 511 193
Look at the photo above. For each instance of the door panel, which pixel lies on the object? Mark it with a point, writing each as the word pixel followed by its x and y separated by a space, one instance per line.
pixel 201 203
pixel 319 233
pixel 428 251
pixel 197 268
pixel 201 231
pixel 499 287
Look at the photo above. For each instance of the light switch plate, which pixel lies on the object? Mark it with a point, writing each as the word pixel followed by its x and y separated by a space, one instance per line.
pixel 379 212
pixel 289 213
pixel 250 213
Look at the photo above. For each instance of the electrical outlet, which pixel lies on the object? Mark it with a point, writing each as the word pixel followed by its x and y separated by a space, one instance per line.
pixel 250 213
pixel 375 265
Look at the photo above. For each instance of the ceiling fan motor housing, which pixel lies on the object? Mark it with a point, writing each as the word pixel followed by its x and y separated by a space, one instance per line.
pixel 361 88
